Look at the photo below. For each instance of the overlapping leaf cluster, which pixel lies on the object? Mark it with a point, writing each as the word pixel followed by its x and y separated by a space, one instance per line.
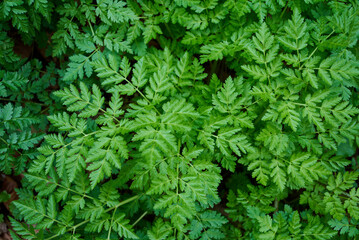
pixel 186 120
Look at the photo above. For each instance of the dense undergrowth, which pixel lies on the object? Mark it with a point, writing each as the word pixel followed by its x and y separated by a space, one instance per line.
pixel 214 119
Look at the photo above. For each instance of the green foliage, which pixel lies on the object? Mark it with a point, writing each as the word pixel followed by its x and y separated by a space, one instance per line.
pixel 22 124
pixel 4 196
pixel 181 119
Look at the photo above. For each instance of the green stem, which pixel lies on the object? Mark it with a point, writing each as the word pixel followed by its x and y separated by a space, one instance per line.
pixel 93 33
pixel 108 210
pixel 4 141
pixel 276 203
pixel 139 92
pixel 285 9
pixel 169 31
pixel 110 230
pixel 213 69
pixel 300 67
pixel 139 219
